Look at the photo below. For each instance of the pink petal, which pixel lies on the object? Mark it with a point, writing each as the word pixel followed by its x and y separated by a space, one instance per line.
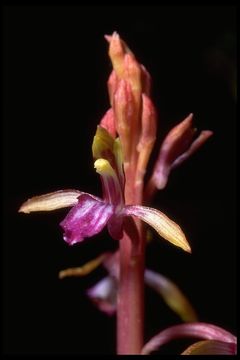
pixel 86 219
pixel 191 330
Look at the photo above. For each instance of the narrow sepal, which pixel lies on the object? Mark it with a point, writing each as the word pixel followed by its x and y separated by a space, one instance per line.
pixel 165 227
pixel 51 201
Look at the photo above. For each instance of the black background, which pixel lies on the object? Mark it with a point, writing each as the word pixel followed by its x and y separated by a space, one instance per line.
pixel 55 68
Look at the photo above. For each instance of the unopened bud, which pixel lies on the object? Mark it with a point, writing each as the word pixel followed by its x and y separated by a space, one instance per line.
pixel 116 54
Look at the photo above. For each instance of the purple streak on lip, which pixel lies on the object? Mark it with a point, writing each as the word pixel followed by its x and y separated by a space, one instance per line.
pixel 86 219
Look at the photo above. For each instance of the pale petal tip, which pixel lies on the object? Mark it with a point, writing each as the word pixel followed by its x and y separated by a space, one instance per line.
pixel 24 210
pixel 187 248
pixel 183 243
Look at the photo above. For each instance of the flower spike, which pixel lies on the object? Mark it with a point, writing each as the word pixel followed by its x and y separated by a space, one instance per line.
pixel 121 150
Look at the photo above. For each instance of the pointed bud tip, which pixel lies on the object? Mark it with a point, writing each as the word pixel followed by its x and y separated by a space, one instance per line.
pixel 207 133
pixel 189 119
pixel 109 37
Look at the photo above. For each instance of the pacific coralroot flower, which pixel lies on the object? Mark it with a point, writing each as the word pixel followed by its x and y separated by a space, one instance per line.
pixel 90 214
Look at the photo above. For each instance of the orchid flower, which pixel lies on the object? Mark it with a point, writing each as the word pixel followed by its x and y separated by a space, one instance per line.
pixel 90 214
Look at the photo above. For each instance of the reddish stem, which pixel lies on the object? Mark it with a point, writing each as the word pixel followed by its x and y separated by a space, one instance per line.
pixel 130 306
pixel 130 312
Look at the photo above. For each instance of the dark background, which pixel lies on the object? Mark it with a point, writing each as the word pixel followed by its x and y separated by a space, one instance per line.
pixel 55 68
